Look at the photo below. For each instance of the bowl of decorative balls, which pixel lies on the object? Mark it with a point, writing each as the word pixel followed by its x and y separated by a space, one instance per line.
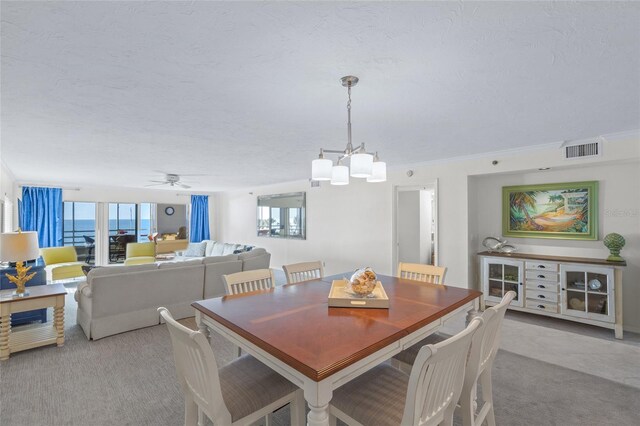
pixel 363 282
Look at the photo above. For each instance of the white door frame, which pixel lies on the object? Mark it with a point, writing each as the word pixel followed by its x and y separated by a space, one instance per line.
pixel 398 188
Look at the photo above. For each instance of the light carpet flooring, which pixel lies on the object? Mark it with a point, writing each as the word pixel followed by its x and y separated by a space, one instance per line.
pixel 129 379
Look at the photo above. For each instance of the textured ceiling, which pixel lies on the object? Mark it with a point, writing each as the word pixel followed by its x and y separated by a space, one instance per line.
pixel 107 92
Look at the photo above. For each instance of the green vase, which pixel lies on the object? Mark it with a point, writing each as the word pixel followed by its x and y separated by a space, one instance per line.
pixel 614 242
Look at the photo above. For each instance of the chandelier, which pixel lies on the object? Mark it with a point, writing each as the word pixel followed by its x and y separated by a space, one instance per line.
pixel 363 164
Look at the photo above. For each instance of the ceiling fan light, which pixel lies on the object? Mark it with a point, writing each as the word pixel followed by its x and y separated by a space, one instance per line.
pixel 361 165
pixel 321 169
pixel 340 175
pixel 379 172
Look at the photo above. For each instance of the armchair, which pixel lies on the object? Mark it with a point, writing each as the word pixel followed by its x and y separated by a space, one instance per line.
pixel 61 263
pixel 140 253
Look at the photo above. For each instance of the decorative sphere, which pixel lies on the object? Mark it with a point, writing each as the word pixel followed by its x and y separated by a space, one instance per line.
pixel 614 242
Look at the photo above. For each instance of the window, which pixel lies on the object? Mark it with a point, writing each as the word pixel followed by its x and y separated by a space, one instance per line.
pixel 123 229
pixel 79 228
pixel 147 225
pixel 282 215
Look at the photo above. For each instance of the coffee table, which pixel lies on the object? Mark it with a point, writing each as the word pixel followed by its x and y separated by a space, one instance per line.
pixel 39 297
pixel 294 331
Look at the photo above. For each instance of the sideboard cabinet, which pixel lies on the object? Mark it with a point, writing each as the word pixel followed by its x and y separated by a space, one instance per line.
pixel 573 288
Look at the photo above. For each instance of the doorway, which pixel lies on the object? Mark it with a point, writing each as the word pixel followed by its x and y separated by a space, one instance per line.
pixel 416 230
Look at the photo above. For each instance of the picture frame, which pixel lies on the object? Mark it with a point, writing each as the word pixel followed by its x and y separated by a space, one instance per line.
pixel 566 210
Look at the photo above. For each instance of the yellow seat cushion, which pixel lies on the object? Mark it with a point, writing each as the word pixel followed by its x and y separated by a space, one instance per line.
pixel 141 250
pixel 64 271
pixel 140 260
pixel 53 255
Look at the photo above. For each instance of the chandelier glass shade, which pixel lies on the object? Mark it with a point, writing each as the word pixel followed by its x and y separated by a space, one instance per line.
pixel 362 163
pixel 339 175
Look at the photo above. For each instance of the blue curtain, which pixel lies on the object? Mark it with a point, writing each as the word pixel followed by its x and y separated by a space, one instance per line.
pixel 41 211
pixel 199 218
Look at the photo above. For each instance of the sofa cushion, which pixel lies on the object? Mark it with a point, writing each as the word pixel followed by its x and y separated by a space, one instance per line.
pixel 195 249
pixel 120 269
pixel 230 248
pixel 183 264
pixel 219 259
pixel 210 244
pixel 217 249
pixel 257 262
pixel 253 253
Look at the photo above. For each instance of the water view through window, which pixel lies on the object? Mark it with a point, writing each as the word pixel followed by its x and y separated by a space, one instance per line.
pixel 79 228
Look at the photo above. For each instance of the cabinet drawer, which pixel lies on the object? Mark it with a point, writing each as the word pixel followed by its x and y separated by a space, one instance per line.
pixel 542 266
pixel 545 296
pixel 542 275
pixel 542 306
pixel 542 286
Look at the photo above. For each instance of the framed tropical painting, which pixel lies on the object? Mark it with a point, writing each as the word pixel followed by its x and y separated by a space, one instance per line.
pixel 554 210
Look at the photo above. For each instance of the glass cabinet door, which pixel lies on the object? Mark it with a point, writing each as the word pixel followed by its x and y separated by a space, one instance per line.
pixel 501 276
pixel 587 292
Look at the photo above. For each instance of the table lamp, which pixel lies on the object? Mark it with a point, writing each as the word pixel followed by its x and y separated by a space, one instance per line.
pixel 19 247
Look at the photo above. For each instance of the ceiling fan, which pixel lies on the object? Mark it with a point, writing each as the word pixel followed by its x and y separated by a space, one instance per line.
pixel 169 179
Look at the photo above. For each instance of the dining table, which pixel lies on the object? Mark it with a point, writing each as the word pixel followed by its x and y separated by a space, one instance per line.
pixel 292 329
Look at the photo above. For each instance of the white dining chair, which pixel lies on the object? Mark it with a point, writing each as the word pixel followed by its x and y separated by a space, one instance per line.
pixel 305 271
pixel 239 393
pixel 427 397
pixel 483 352
pixel 419 272
pixel 243 282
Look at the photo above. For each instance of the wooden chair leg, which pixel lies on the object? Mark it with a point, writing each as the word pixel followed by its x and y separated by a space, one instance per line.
pixel 487 395
pixel 467 407
pixel 190 412
pixel 448 415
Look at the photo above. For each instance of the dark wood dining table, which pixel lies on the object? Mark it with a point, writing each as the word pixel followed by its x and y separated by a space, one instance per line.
pixel 319 348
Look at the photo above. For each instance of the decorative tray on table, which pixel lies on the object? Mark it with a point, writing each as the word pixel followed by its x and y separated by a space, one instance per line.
pixel 341 296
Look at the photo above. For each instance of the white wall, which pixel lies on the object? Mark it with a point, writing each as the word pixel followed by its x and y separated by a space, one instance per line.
pixel 170 224
pixel 619 211
pixel 351 226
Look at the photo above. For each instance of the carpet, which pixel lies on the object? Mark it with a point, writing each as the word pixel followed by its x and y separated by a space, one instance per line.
pixel 129 379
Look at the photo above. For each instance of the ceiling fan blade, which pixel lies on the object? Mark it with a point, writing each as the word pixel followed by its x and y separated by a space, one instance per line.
pixel 155 184
pixel 198 174
pixel 158 181
pixel 182 185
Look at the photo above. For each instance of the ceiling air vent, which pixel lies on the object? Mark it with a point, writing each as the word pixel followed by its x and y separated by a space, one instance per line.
pixel 575 150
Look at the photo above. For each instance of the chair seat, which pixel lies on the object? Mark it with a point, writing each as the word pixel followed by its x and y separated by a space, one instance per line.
pixel 408 356
pixel 61 271
pixel 375 398
pixel 139 260
pixel 248 385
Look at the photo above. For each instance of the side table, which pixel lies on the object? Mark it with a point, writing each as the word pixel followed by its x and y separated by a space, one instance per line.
pixel 39 297
pixel 39 279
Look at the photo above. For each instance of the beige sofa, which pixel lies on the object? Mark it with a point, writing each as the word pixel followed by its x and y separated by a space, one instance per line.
pixel 116 299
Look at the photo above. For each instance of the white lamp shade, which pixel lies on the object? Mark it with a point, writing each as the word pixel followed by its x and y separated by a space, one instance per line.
pixel 19 246
pixel 361 165
pixel 321 169
pixel 379 173
pixel 340 175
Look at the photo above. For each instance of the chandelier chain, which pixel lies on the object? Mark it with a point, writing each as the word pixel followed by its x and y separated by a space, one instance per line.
pixel 349 145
